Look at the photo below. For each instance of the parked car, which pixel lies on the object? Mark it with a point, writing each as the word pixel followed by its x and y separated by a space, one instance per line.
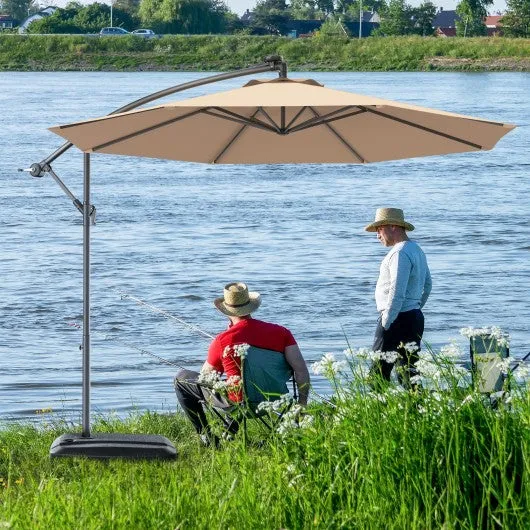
pixel 146 33
pixel 107 32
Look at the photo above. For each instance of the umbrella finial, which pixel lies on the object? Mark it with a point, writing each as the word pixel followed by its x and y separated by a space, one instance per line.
pixel 277 63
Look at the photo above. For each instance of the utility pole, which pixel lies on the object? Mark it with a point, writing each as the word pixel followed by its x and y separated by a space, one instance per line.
pixel 111 2
pixel 360 19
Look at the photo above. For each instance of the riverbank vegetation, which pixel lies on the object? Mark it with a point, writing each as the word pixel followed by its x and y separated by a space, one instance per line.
pixel 216 53
pixel 440 456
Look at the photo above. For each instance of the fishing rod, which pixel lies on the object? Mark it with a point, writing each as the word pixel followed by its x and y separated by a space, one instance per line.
pixel 519 363
pixel 108 337
pixel 165 314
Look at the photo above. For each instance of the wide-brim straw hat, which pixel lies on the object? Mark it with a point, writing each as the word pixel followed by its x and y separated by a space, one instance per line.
pixel 237 301
pixel 389 216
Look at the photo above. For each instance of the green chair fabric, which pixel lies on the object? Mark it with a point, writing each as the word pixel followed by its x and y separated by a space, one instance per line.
pixel 265 375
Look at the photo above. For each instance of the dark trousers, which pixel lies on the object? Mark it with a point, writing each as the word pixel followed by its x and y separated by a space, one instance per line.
pixel 408 327
pixel 191 395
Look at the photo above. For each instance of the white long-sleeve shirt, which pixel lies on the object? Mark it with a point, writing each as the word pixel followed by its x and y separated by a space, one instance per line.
pixel 404 281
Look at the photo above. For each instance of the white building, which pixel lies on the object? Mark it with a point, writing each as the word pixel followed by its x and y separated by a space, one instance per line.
pixel 46 12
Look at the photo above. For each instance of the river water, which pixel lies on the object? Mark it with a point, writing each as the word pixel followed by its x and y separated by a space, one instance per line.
pixel 174 233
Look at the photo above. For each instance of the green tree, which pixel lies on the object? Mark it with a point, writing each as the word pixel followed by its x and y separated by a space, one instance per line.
pixel 185 16
pixel 129 6
pixel 472 14
pixel 77 18
pixel 396 19
pixel 272 16
pixel 423 17
pixel 303 9
pixel 351 8
pixel 19 9
pixel 516 21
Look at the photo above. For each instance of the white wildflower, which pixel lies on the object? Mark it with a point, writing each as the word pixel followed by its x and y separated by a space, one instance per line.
pixel 277 405
pixel 451 351
pixel 429 369
pixel 410 347
pixel 503 365
pixel 523 370
pixel 209 378
pixel 236 350
pixel 241 350
pixel 389 356
pixel 361 353
pixel 328 366
pixel 416 380
pixel 502 338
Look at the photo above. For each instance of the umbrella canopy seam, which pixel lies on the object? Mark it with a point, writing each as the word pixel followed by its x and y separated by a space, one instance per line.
pixel 142 131
pixel 346 144
pixel 423 128
pixel 232 141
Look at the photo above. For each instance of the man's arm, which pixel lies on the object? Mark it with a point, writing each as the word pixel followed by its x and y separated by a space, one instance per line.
pixel 294 358
pixel 207 367
pixel 400 267
pixel 427 287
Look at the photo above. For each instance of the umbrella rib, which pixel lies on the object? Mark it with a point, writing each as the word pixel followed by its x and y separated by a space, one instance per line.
pixel 238 118
pixel 233 139
pixel 346 144
pixel 422 127
pixel 319 119
pixel 145 130
pixel 297 115
pixel 270 120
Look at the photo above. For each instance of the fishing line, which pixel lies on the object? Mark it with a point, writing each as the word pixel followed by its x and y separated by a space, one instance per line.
pixel 165 314
pixel 110 338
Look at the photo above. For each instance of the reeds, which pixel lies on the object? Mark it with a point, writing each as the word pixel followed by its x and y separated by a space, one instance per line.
pixel 227 52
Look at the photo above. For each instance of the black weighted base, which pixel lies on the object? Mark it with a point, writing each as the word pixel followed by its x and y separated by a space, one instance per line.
pixel 134 446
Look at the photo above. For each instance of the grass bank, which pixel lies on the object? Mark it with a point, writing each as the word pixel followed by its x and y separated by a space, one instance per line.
pixel 389 460
pixel 217 53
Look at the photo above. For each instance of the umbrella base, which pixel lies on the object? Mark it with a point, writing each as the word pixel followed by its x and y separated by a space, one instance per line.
pixel 105 445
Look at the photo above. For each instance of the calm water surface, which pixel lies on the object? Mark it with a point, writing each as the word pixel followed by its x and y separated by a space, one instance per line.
pixel 174 233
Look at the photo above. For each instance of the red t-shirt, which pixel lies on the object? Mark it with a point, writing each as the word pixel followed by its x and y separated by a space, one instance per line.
pixel 249 331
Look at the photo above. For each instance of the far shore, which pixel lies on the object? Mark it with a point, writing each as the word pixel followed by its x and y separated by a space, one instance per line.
pixel 229 52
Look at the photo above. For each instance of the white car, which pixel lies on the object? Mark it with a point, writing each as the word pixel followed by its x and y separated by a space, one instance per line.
pixel 106 32
pixel 147 33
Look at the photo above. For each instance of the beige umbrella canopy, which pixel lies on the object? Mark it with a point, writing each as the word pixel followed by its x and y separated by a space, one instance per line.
pixel 284 121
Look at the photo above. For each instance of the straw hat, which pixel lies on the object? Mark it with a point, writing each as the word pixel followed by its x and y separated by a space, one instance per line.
pixel 388 216
pixel 237 301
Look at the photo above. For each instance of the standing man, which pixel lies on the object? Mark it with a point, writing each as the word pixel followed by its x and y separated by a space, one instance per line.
pixel 402 289
pixel 237 303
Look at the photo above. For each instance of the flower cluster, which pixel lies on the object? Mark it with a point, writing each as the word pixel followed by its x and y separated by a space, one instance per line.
pixel 276 406
pixel 294 418
pixel 236 350
pixel 212 379
pixel 502 338
pixel 370 355
pixel 328 366
pixel 451 352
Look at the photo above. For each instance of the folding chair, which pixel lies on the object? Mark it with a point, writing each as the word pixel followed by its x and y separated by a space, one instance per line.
pixel 486 363
pixel 265 374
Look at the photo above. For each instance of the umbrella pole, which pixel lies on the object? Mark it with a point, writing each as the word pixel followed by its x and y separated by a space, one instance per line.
pixel 104 445
pixel 86 295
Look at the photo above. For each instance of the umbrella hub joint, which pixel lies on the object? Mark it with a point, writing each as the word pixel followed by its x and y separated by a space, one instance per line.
pixel 277 63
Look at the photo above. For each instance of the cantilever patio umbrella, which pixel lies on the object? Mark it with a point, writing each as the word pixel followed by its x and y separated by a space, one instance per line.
pixel 266 121
pixel 284 121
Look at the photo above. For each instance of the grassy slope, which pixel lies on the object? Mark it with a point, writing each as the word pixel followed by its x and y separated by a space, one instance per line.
pixel 55 52
pixel 394 461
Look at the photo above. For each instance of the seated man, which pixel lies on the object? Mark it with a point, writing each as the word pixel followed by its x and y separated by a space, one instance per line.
pixel 224 356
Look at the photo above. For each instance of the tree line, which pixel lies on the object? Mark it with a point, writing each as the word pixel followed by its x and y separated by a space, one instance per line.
pixel 397 17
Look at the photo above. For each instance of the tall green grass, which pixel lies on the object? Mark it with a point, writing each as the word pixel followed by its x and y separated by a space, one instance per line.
pixel 226 52
pixel 423 459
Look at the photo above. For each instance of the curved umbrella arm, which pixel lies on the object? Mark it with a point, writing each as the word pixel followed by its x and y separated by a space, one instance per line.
pixel 271 63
